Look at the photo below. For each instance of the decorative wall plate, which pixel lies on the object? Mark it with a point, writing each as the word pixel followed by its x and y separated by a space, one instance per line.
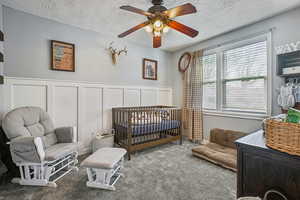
pixel 184 62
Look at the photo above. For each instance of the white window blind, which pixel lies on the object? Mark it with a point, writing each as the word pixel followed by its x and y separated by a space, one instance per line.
pixel 209 81
pixel 245 77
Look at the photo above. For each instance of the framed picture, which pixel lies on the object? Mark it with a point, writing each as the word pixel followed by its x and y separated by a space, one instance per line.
pixel 149 69
pixel 62 56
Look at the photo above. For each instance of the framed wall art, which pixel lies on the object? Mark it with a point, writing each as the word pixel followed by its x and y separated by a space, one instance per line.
pixel 62 56
pixel 149 69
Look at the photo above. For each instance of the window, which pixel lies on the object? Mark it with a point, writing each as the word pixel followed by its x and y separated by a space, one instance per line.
pixel 235 77
pixel 245 73
pixel 209 81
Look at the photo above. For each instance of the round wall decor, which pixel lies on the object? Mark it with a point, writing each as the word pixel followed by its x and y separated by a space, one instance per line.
pixel 184 62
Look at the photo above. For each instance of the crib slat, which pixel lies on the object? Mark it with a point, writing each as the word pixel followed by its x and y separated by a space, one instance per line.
pixel 129 134
pixel 153 116
pixel 144 136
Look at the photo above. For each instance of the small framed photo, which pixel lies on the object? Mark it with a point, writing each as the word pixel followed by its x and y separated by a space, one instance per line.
pixel 62 56
pixel 149 69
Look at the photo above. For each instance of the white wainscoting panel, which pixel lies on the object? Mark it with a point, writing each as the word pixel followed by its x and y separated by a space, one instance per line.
pixel 22 95
pixel 92 119
pixel 132 97
pixel 113 97
pixel 149 97
pixel 82 104
pixel 65 106
pixel 165 97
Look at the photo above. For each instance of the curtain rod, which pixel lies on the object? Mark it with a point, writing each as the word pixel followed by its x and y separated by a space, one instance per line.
pixel 236 40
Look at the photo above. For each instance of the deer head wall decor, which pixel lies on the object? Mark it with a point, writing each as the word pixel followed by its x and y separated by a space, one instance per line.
pixel 115 52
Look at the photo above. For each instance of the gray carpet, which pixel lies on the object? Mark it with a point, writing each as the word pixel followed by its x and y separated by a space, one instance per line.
pixel 167 172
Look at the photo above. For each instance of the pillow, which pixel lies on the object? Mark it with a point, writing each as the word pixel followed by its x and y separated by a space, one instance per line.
pixel 164 114
pixel 155 117
pixel 146 118
pixel 140 118
pixel 49 140
pixel 293 116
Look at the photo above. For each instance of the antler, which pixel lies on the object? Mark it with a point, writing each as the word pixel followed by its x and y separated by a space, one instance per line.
pixel 123 50
pixel 111 49
pixel 115 52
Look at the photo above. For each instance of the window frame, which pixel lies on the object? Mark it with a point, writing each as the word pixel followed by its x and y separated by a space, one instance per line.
pixel 221 109
pixel 209 53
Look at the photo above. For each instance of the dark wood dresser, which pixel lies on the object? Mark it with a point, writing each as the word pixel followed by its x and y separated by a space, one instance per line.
pixel 261 169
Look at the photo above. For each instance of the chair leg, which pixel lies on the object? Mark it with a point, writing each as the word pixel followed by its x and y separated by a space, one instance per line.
pixel 38 174
pixel 128 155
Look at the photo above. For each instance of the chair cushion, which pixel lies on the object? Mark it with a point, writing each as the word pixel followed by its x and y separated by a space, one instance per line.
pixel 29 121
pixel 49 140
pixel 104 158
pixel 60 150
pixel 217 154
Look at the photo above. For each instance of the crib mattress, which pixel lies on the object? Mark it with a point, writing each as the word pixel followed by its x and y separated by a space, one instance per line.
pixel 141 129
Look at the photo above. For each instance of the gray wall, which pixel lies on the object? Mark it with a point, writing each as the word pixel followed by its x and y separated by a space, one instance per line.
pixel 28 53
pixel 286 30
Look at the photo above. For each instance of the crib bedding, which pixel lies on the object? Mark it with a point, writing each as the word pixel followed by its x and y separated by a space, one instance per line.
pixel 141 129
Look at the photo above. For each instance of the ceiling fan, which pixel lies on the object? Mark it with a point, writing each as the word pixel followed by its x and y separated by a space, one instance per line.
pixel 160 19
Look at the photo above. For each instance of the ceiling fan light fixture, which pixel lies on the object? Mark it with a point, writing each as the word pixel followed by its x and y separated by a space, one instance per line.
pixel 157 33
pixel 160 20
pixel 158 24
pixel 166 29
pixel 149 28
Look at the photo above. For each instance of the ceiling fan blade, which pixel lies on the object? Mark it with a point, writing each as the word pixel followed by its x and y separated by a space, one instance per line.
pixel 156 41
pixel 134 29
pixel 180 10
pixel 137 10
pixel 183 28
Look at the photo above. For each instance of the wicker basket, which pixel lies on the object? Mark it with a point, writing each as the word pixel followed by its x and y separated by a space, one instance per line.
pixel 283 136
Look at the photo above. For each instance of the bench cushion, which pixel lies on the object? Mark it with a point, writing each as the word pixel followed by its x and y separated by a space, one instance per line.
pixel 104 158
pixel 225 138
pixel 217 154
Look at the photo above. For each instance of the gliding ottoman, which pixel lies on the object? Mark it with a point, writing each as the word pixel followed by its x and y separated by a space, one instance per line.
pixel 103 167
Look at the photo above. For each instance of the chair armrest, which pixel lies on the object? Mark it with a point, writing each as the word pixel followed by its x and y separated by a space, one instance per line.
pixel 27 150
pixel 66 134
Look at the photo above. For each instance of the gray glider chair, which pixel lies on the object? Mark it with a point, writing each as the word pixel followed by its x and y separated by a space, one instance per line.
pixel 42 153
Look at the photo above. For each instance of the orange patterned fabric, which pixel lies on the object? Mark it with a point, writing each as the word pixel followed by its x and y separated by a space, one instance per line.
pixel 192 99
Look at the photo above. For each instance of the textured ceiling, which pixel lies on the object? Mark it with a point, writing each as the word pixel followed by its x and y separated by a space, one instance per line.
pixel 213 18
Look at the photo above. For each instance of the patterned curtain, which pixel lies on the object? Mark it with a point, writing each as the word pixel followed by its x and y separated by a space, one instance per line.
pixel 192 99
